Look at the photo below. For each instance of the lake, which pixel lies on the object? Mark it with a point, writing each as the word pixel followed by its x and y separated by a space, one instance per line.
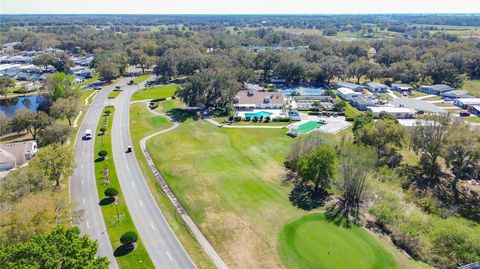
pixel 9 106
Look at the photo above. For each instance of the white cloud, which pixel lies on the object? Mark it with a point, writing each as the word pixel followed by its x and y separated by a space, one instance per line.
pixel 236 6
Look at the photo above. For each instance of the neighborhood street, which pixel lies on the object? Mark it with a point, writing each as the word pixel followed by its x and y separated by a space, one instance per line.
pixel 83 188
pixel 161 243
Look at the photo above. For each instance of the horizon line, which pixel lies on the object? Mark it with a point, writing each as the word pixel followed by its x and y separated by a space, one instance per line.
pixel 253 14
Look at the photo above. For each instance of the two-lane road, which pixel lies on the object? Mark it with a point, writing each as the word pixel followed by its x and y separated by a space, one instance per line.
pixel 83 188
pixel 161 243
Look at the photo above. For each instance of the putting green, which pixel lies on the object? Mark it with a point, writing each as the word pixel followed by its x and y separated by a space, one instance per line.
pixel 313 242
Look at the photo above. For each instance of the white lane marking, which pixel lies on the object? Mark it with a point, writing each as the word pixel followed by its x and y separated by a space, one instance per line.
pixel 141 203
pixel 133 183
pixel 168 254
pixel 88 226
pixel 84 201
pixel 153 227
pixel 82 181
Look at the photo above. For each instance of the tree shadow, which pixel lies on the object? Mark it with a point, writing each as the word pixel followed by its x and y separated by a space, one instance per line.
pixel 338 214
pixel 123 250
pixel 182 115
pixel 306 197
pixel 106 201
pixel 99 159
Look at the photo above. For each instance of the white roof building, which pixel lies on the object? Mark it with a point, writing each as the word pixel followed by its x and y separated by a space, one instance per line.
pixel 346 93
pixel 464 102
pixel 399 112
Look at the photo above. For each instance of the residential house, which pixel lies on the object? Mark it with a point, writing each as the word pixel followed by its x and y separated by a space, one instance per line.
pixel 19 59
pixel 351 86
pixel 13 155
pixel 456 94
pixel 377 88
pixel 405 89
pixel 251 99
pixel 475 109
pixel 398 112
pixel 435 89
pixel 465 102
pixel 346 93
pixel 361 102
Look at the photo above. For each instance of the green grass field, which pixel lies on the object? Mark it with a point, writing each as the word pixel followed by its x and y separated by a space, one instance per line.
pixel 147 123
pixel 313 242
pixel 472 87
pixel 155 92
pixel 89 81
pixel 114 94
pixel 231 183
pixel 141 78
pixel 139 257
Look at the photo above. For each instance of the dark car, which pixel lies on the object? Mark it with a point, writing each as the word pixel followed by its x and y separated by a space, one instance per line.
pixel 420 112
pixel 464 114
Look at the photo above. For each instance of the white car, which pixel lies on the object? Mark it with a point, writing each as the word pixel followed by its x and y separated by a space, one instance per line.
pixel 88 134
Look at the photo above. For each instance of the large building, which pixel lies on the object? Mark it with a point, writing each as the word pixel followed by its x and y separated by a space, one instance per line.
pixel 377 88
pixel 351 86
pixel 398 112
pixel 251 99
pixel 405 89
pixel 435 89
pixel 361 102
pixel 456 94
pixel 465 102
pixel 13 155
pixel 347 94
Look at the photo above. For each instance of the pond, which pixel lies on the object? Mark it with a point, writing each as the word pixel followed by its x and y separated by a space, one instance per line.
pixel 9 106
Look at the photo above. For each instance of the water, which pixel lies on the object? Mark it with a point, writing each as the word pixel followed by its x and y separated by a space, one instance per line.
pixel 9 106
pixel 258 114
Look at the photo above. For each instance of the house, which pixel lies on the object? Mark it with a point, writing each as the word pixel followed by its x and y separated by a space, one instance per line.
pixel 346 93
pixel 456 94
pixel 475 109
pixel 251 99
pixel 435 89
pixel 13 155
pixel 398 112
pixel 405 89
pixel 351 86
pixel 19 59
pixel 465 102
pixel 377 88
pixel 25 76
pixel 361 102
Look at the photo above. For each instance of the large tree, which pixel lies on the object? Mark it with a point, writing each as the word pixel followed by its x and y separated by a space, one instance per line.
pixel 66 107
pixel 266 61
pixel 54 161
pixel 62 248
pixel 318 167
pixel 32 122
pixel 210 88
pixel 60 85
pixel 5 85
pixel 428 139
pixel 328 68
pixel 4 123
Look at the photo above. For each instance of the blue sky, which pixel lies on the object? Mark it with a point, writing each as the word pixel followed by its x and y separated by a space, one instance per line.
pixel 236 6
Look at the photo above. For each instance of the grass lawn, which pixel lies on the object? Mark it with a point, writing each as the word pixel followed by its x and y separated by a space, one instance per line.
pixel 472 87
pixel 114 94
pixel 416 94
pixel 84 94
pixel 141 78
pixel 156 92
pixel 147 123
pixel 433 98
pixel 231 183
pixel 168 105
pixel 314 242
pixel 139 257
pixel 472 119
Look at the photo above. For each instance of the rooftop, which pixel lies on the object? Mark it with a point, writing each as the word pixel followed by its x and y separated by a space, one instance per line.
pixel 246 97
pixel 391 109
pixel 376 85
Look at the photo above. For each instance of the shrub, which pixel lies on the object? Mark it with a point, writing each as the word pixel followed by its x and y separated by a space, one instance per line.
pixel 107 112
pixel 349 119
pixel 111 192
pixel 238 118
pixel 247 118
pixel 103 153
pixel 153 105
pixel 267 119
pixel 103 130
pixel 255 119
pixel 129 238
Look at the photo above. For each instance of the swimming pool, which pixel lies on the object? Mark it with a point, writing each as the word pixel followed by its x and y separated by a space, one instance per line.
pixel 308 127
pixel 258 114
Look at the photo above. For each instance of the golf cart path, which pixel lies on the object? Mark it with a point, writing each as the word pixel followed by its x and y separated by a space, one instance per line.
pixel 216 123
pixel 207 247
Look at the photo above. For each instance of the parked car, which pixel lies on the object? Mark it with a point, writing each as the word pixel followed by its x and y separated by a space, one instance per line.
pixel 420 112
pixel 118 87
pixel 464 114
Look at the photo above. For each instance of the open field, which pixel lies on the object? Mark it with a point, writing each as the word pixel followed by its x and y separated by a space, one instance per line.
pixel 145 124
pixel 233 188
pixel 139 257
pixel 314 242
pixel 155 92
pixel 472 87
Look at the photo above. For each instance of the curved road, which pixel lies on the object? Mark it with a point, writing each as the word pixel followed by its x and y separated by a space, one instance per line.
pixel 161 243
pixel 83 188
